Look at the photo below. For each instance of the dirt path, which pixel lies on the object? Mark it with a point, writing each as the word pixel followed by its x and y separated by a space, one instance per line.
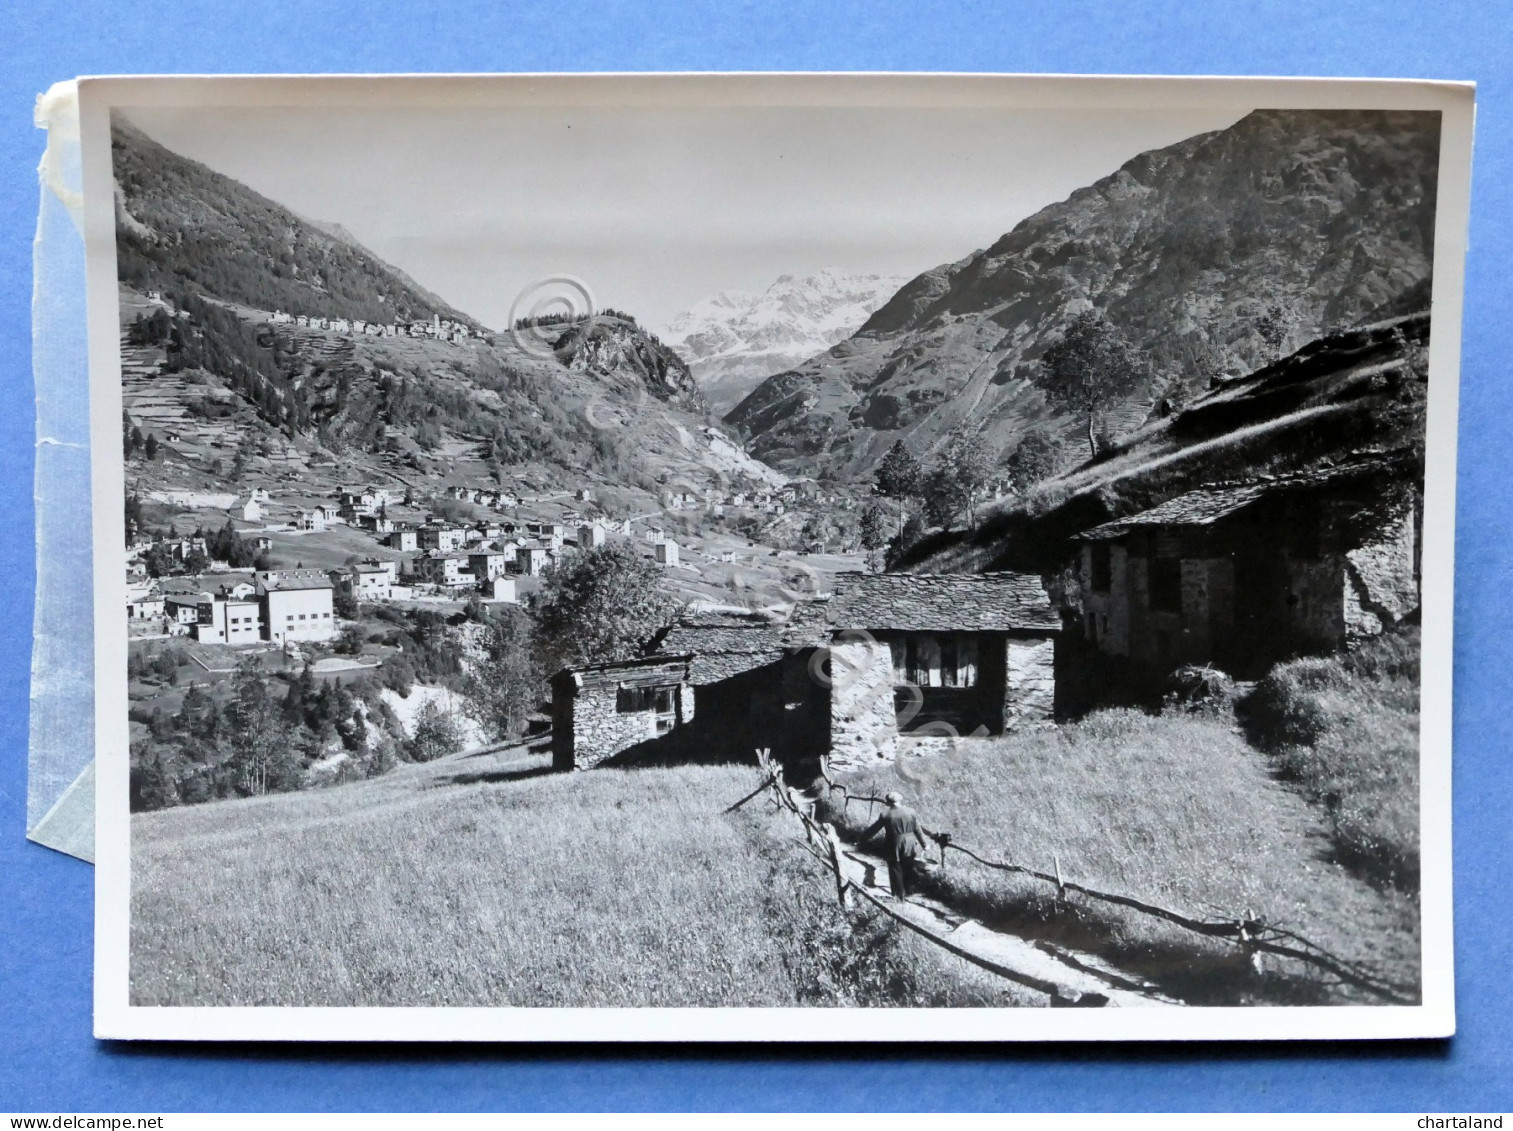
pixel 1066 977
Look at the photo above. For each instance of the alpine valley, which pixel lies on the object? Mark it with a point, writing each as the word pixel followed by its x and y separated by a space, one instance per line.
pixel 570 640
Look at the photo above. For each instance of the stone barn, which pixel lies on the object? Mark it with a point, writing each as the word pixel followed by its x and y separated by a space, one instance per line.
pixel 602 711
pixel 710 692
pixel 893 657
pixel 1243 575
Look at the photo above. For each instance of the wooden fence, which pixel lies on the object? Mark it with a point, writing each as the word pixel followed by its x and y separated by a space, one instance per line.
pixel 1247 931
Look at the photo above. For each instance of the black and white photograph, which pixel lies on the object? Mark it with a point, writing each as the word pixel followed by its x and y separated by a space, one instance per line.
pixel 715 558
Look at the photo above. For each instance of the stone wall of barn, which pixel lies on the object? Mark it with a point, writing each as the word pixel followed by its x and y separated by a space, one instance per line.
pixel 863 721
pixel 801 731
pixel 1381 579
pixel 1156 636
pixel 601 731
pixel 1254 589
pixel 1316 590
pixel 1108 612
pixel 1030 686
pixel 1120 622
pixel 863 714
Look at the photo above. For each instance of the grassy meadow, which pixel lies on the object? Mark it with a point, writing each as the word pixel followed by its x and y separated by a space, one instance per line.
pixel 1177 810
pixel 482 880
pixel 1345 728
pixel 485 880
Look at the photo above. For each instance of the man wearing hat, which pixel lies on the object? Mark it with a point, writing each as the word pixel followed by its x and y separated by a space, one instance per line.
pixel 903 838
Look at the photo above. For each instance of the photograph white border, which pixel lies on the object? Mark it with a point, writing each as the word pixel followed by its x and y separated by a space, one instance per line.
pixel 116 1018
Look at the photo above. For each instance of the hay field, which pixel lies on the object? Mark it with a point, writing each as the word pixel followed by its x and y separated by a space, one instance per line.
pixel 482 880
pixel 1177 810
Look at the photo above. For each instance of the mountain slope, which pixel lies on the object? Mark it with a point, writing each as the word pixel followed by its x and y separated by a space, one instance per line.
pixel 734 339
pixel 1214 255
pixel 1346 410
pixel 342 234
pixel 606 401
pixel 182 226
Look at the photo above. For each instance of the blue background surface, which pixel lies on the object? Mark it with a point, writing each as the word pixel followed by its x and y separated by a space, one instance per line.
pixel 48 1061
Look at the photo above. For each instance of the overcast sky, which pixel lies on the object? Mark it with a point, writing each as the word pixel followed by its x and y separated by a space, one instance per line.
pixel 655 209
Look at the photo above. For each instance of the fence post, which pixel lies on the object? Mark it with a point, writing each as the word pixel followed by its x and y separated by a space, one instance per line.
pixel 842 889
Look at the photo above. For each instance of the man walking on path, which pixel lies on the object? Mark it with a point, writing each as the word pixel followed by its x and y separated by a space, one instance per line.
pixel 901 831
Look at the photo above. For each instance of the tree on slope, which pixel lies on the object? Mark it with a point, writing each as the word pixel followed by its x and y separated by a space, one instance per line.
pixel 959 477
pixel 1090 366
pixel 262 755
pixel 505 685
pixel 597 606
pixel 900 477
pixel 874 531
pixel 1031 461
pixel 436 734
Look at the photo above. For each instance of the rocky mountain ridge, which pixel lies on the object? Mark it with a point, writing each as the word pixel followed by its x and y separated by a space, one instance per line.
pixel 1213 256
pixel 616 349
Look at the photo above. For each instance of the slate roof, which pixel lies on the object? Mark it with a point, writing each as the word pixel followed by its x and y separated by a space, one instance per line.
pixel 922 602
pixel 723 647
pixel 645 670
pixel 1196 508
pixel 808 625
pixel 713 667
pixel 1208 505
pixel 720 639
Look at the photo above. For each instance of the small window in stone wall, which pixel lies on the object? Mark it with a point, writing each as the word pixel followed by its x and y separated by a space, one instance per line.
pixel 629 700
pixel 1101 568
pixel 942 659
pixel 1165 585
pixel 966 660
pixel 924 661
pixel 958 660
pixel 659 700
pixel 666 715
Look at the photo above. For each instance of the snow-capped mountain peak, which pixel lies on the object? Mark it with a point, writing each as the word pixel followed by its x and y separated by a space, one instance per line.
pixel 733 339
